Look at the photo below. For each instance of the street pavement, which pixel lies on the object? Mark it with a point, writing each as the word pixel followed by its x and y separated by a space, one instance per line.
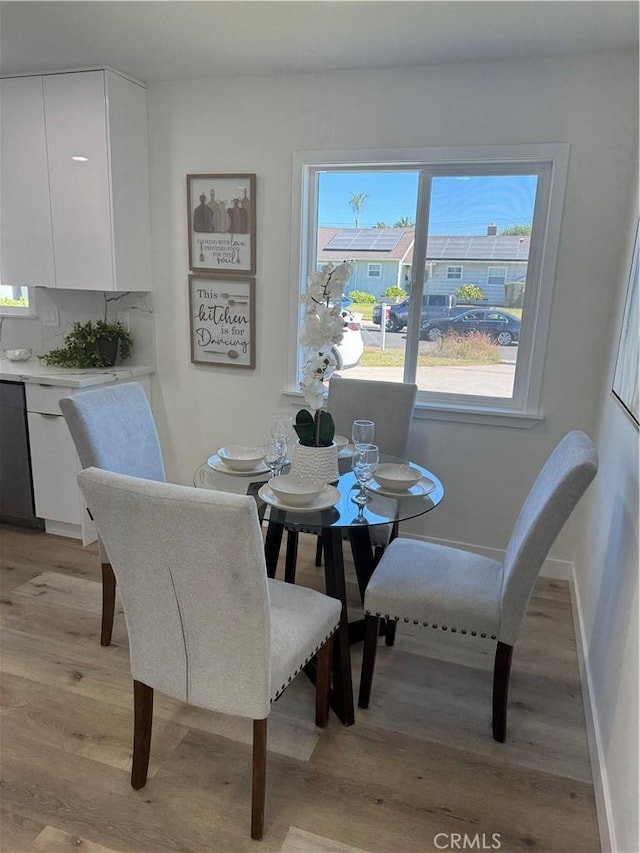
pixel 487 380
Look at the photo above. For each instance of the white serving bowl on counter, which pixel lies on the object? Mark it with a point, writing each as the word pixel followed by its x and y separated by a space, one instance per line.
pixel 18 354
pixel 240 457
pixel 396 477
pixel 296 490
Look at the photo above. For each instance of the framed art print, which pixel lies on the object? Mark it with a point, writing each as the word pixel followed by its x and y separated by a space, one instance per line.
pixel 222 312
pixel 221 213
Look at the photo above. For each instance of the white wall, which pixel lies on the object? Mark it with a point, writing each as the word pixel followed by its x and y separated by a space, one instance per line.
pixel 253 124
pixel 606 593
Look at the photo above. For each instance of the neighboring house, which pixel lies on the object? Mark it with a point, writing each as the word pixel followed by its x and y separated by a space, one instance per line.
pixel 383 258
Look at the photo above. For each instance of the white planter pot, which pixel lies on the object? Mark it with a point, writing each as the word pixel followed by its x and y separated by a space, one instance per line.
pixel 319 462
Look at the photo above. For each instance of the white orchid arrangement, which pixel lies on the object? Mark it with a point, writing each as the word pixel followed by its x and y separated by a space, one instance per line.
pixel 322 329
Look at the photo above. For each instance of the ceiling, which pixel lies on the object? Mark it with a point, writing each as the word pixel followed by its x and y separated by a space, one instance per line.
pixel 153 40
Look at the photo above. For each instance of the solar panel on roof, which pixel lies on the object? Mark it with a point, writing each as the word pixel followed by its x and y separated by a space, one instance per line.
pixel 367 239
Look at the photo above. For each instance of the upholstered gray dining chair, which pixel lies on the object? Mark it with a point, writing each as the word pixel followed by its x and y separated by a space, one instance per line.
pixel 458 591
pixel 206 626
pixel 113 428
pixel 390 406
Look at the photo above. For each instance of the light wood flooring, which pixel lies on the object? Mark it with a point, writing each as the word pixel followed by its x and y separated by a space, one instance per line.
pixel 419 765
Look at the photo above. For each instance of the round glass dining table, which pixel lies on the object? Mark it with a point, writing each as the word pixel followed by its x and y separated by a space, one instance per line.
pixel 344 519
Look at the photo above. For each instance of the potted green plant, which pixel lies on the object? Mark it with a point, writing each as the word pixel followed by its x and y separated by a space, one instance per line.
pixel 91 344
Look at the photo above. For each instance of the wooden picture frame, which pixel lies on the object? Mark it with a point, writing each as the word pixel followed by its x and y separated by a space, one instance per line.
pixel 222 320
pixel 221 217
pixel 625 379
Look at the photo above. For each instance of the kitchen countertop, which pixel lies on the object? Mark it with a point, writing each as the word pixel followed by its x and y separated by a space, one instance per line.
pixel 35 371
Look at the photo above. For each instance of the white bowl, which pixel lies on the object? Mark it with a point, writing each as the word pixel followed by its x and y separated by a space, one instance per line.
pixel 18 354
pixel 241 458
pixel 294 490
pixel 396 477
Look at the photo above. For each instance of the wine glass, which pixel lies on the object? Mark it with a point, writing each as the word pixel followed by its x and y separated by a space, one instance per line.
pixel 362 432
pixel 282 427
pixel 364 462
pixel 275 450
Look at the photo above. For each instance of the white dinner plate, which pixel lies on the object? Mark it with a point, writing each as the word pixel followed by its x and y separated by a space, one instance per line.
pixel 327 497
pixel 219 464
pixel 420 489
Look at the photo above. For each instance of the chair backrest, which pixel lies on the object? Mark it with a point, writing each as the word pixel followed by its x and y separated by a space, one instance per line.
pixel 113 428
pixel 388 404
pixel 556 491
pixel 191 573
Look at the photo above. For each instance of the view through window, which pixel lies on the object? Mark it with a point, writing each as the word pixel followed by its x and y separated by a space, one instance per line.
pixel 14 300
pixel 475 232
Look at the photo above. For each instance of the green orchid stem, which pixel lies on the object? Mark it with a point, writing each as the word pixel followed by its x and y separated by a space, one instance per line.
pixel 316 433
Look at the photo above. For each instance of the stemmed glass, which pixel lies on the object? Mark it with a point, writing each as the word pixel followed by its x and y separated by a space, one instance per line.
pixel 275 451
pixel 362 432
pixel 364 462
pixel 282 428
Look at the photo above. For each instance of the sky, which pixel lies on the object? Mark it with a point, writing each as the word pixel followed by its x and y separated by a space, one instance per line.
pixel 459 205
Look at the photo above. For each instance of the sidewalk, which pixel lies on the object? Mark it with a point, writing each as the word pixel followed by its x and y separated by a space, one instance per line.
pixel 489 380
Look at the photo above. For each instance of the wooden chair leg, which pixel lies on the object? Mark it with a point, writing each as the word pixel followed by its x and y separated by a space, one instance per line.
pixel 142 720
pixel 324 660
pixel 258 777
pixel 319 551
pixel 390 632
pixel 108 603
pixel 501 672
pixel 291 557
pixel 368 659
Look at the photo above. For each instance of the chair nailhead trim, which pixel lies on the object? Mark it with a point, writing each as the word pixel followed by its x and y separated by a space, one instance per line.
pixel 406 619
pixel 300 668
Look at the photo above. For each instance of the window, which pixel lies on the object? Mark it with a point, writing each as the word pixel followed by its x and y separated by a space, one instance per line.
pixel 374 270
pixel 496 275
pixel 453 196
pixel 15 302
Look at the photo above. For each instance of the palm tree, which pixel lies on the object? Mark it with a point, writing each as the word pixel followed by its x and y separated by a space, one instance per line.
pixel 381 224
pixel 403 222
pixel 356 201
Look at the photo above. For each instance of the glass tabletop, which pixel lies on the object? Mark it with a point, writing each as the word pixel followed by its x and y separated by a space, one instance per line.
pixel 381 508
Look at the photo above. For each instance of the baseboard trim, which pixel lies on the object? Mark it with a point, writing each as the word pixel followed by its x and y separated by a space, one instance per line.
pixel 604 811
pixel 552 568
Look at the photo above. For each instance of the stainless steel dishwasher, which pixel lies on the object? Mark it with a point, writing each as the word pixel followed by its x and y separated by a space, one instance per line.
pixel 16 485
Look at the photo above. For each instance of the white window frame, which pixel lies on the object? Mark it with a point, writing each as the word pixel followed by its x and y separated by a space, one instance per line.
pixel 378 270
pixel 549 160
pixel 454 273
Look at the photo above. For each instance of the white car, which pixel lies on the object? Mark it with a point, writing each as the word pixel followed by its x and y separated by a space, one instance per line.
pixel 349 352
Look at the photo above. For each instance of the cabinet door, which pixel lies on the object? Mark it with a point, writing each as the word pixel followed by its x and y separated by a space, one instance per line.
pixel 55 465
pixel 26 243
pixel 75 114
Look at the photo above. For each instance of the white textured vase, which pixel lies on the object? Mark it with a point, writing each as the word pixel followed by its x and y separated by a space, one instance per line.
pixel 321 462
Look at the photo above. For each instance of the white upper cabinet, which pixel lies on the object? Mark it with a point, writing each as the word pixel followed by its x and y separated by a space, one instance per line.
pixel 26 241
pixel 96 192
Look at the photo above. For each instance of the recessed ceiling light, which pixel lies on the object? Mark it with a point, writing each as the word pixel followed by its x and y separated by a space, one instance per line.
pixel 79 158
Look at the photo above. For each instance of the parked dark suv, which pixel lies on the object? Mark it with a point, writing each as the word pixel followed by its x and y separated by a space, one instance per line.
pixel 434 306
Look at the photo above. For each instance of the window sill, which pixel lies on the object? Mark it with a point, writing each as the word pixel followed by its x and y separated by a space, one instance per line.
pixel 489 416
pixel 456 414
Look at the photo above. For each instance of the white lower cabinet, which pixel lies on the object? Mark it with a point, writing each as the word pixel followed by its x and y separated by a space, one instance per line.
pixel 55 463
